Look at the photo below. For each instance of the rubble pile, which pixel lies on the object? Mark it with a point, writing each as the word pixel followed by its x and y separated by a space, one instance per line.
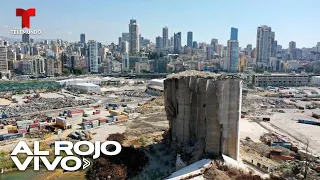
pixel 133 94
pixel 125 165
pixel 43 104
pixel 38 134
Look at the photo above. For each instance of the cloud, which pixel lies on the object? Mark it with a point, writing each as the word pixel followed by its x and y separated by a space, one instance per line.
pixel 5 26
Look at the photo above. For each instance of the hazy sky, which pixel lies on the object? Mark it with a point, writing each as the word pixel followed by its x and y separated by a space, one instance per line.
pixel 105 20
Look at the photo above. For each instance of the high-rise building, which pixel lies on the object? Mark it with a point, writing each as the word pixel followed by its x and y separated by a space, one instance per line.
pixel 264 46
pixel 25 38
pixel 249 47
pixel 177 43
pixel 234 34
pixel 272 44
pixel 124 47
pixel 274 50
pixel 82 38
pixel 93 56
pixel 119 41
pixel 3 59
pixel 214 44
pixel 171 41
pixel 189 39
pixel 210 52
pixel 134 37
pixel 195 44
pixel 165 37
pixel 233 55
pixel 159 42
pixel 125 37
pixel 292 45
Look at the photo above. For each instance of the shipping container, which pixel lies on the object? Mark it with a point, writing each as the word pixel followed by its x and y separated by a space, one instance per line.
pixel 11 136
pixel 34 125
pixel 4 115
pixel 110 120
pixel 95 107
pixel 23 131
pixel 24 123
pixel 78 111
pixel 309 122
pixel 10 127
pixel 102 123
pixel 283 144
pixel 12 131
pixel 33 129
pixel 42 124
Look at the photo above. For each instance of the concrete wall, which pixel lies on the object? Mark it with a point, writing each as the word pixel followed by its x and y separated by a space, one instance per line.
pixel 205 108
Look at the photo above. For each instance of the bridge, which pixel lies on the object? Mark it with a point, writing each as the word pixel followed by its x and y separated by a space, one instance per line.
pixel 138 76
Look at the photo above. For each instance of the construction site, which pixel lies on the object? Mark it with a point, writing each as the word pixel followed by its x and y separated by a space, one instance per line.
pixel 205 126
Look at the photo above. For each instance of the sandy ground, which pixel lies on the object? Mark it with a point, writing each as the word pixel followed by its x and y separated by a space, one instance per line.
pixel 251 129
pixel 4 102
pixel 103 132
pixel 287 122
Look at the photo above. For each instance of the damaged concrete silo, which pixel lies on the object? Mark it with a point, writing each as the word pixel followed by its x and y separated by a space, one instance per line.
pixel 204 106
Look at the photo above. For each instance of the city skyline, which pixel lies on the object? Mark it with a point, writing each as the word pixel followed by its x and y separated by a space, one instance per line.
pixel 95 20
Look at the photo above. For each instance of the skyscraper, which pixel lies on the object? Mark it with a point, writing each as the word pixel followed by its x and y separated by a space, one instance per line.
pixel 82 38
pixel 189 39
pixel 292 45
pixel 25 38
pixel 134 37
pixel 165 37
pixel 124 47
pixel 177 43
pixel 159 42
pixel 234 34
pixel 125 37
pixel 119 41
pixel 264 46
pixel 195 44
pixel 214 44
pixel 92 56
pixel 233 55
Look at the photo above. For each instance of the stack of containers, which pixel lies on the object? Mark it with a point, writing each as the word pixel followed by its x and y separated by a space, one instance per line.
pixel 102 121
pixel 75 113
pixel 12 129
pixel 61 123
pixel 42 125
pixel 24 124
pixel 95 123
pixel 22 131
pixel 96 112
pixel 1 126
pixel 10 136
pixel 33 127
